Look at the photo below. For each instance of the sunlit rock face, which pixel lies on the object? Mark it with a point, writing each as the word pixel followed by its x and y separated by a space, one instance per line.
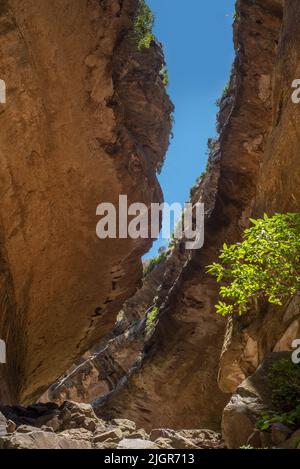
pixel 87 118
pixel 62 287
pixel 250 339
pixel 181 372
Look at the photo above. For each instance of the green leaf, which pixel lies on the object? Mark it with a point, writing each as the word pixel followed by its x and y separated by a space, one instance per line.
pixel 265 266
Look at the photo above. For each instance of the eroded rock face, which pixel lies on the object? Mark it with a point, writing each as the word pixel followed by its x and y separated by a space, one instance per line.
pixel 252 399
pixel 181 366
pixel 250 339
pixel 99 371
pixel 87 118
pixel 102 371
pixel 187 360
pixel 279 179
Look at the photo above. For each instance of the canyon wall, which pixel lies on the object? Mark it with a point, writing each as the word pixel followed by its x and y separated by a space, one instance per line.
pixel 194 360
pixel 87 118
pixel 250 339
pixel 100 371
pixel 95 121
pixel 189 370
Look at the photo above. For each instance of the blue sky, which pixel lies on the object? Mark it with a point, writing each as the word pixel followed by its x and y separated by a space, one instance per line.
pixel 198 45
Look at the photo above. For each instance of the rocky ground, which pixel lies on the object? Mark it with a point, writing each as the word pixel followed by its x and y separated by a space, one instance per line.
pixel 76 426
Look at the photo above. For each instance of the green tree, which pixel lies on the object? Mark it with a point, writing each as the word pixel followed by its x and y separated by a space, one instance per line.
pixel 264 266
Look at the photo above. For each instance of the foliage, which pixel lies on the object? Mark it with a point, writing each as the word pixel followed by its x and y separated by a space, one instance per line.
pixel 291 418
pixel 143 25
pixel 155 261
pixel 226 90
pixel 211 146
pixel 284 378
pixel 224 94
pixel 235 15
pixel 165 76
pixel 151 321
pixel 264 267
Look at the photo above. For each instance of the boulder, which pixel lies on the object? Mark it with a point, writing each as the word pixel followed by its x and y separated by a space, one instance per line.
pixel 27 429
pixel 114 434
pixel 124 424
pixel 293 442
pixel 108 444
pixel 11 426
pixel 280 433
pixel 164 443
pixel 137 444
pixel 140 434
pixel 79 408
pixel 177 441
pixel 252 398
pixel 239 418
pixel 3 425
pixel 51 420
pixel 41 440
pixel 78 434
pixel 78 415
pixel 265 439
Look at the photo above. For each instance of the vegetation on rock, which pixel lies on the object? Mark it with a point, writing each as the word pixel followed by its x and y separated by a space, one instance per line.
pixel 264 266
pixel 165 76
pixel 224 94
pixel 155 261
pixel 151 321
pixel 143 25
pixel 285 381
pixel 212 144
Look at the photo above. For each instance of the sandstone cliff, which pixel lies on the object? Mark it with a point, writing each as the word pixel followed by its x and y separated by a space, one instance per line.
pixel 194 363
pixel 246 174
pixel 100 371
pixel 249 340
pixel 189 335
pixel 87 118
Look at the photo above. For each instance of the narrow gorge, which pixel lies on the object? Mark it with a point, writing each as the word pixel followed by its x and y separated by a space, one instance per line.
pixel 102 351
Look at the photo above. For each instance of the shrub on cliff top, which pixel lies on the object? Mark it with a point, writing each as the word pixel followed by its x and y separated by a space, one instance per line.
pixel 264 266
pixel 143 25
